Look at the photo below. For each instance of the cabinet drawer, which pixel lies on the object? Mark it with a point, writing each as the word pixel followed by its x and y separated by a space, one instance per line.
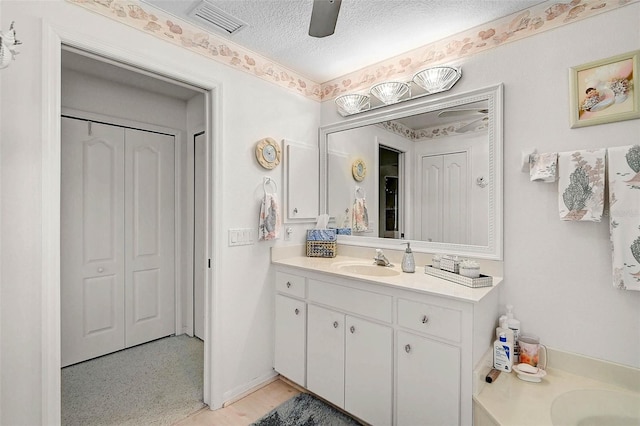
pixel 359 302
pixel 430 319
pixel 293 285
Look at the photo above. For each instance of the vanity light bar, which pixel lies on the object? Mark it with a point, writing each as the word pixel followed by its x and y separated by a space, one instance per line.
pixel 431 80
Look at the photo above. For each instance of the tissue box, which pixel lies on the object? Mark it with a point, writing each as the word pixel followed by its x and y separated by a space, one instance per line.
pixel 343 231
pixel 321 243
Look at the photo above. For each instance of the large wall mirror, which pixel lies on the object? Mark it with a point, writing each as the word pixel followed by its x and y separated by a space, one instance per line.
pixel 429 172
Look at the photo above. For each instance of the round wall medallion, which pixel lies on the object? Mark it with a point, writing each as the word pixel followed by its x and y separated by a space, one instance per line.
pixel 268 153
pixel 359 170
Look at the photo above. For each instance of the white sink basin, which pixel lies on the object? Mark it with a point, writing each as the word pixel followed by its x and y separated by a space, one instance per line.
pixel 367 269
pixel 596 407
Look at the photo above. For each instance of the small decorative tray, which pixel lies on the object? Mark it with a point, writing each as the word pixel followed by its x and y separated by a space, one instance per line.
pixel 481 281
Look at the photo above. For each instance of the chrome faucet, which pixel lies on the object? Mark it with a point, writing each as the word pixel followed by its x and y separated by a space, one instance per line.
pixel 381 259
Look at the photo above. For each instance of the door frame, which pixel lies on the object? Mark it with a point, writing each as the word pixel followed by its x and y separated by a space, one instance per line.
pixel 53 39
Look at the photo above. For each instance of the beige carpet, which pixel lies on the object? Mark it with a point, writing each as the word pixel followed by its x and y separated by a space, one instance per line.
pixel 157 383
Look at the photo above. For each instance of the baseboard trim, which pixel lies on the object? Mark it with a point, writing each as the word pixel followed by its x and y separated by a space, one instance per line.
pixel 240 392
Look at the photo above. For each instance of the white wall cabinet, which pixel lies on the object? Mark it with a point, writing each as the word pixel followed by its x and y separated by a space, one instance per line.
pixel 301 178
pixel 387 355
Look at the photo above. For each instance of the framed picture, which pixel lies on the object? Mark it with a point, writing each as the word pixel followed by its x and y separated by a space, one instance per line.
pixel 605 91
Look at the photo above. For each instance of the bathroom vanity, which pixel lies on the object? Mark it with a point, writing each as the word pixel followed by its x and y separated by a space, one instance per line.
pixel 386 346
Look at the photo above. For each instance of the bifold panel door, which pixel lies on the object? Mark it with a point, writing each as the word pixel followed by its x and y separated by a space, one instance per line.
pixel 117 238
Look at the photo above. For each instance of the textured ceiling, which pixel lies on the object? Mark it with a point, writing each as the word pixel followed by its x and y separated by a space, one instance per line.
pixel 367 31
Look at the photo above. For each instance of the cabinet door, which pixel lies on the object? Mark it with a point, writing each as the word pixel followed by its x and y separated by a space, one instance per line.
pixel 368 371
pixel 325 354
pixel 301 182
pixel 290 342
pixel 428 382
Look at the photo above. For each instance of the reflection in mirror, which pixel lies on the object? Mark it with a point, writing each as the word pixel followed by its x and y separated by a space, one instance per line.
pixel 433 175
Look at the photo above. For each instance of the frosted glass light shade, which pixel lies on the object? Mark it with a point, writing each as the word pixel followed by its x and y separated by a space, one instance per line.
pixel 390 92
pixel 353 103
pixel 437 79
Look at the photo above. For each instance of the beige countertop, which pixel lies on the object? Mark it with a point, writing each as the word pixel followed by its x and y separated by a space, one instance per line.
pixel 511 401
pixel 418 281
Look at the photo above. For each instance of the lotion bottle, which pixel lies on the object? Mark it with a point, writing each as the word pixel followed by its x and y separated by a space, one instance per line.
pixel 502 354
pixel 502 328
pixel 408 262
pixel 514 325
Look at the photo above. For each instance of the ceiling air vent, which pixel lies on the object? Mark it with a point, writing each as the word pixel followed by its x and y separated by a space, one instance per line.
pixel 206 14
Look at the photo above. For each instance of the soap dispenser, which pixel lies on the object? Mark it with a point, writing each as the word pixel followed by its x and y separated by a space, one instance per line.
pixel 408 262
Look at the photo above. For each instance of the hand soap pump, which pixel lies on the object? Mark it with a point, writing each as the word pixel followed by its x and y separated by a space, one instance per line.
pixel 408 262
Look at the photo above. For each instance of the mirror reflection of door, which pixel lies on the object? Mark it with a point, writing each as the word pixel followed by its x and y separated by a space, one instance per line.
pixel 444 198
pixel 390 196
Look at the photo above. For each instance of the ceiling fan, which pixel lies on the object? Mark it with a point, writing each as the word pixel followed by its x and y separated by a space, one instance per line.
pixel 466 112
pixel 324 16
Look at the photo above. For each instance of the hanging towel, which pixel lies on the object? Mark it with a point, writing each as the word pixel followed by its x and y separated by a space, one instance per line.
pixel 360 217
pixel 542 167
pixel 269 218
pixel 624 226
pixel 581 185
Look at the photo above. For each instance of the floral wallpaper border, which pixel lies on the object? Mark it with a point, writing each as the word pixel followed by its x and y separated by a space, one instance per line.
pixel 542 17
pixel 427 133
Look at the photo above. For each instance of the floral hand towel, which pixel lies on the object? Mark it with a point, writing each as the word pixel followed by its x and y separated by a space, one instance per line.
pixel 624 202
pixel 581 185
pixel 269 218
pixel 360 221
pixel 542 167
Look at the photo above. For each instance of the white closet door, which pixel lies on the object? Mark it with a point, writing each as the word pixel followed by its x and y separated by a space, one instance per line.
pixel 92 232
pixel 199 240
pixel 455 199
pixel 149 236
pixel 431 198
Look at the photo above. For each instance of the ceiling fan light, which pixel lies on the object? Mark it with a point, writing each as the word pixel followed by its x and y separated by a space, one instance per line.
pixel 437 79
pixel 353 103
pixel 390 92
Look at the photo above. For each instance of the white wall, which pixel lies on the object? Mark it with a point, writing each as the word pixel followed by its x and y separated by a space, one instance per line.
pixel 251 109
pixel 557 274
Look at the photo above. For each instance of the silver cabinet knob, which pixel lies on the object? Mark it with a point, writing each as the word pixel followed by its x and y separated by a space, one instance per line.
pixel 407 348
pixel 295 210
pixel 335 324
pixel 352 329
pixel 297 311
pixel 288 284
pixel 100 270
pixel 425 319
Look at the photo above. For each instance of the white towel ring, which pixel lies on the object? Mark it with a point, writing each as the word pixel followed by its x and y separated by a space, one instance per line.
pixel 268 180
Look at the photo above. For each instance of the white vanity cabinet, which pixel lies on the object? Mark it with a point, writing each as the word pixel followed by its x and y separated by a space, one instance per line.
pixel 349 358
pixel 390 354
pixel 290 327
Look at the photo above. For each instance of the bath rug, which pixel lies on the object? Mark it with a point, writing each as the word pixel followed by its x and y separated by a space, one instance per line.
pixel 543 167
pixel 581 185
pixel 624 202
pixel 305 410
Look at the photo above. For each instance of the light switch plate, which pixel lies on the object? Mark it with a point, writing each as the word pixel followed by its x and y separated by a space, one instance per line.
pixel 241 236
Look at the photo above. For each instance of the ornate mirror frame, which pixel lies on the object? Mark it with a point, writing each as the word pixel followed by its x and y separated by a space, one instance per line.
pixel 494 97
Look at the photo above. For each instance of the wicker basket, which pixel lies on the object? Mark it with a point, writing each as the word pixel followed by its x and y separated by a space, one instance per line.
pixel 321 243
pixel 321 248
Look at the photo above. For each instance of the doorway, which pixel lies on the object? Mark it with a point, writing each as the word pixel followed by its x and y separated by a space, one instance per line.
pixel 103 78
pixel 390 192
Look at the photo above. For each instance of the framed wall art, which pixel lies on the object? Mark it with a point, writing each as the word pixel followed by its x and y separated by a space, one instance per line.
pixel 605 91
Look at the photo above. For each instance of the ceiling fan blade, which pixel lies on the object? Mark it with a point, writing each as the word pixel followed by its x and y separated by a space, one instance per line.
pixel 462 112
pixel 471 126
pixel 324 16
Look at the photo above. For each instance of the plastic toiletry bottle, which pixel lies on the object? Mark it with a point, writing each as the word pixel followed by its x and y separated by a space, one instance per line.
pixel 502 354
pixel 408 262
pixel 514 325
pixel 502 328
